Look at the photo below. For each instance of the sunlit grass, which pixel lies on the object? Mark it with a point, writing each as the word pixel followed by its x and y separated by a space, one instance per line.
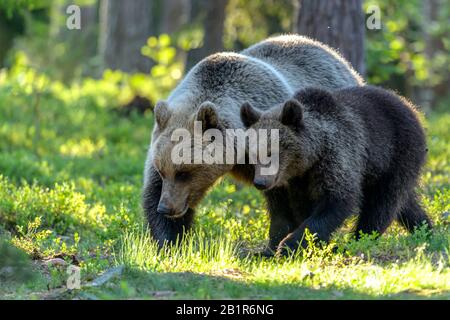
pixel 319 269
pixel 72 191
pixel 198 253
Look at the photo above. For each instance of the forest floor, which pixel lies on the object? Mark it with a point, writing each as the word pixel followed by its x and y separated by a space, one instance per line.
pixel 70 184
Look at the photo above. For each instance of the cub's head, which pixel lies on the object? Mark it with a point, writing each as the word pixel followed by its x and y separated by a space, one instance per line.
pixel 287 118
pixel 176 141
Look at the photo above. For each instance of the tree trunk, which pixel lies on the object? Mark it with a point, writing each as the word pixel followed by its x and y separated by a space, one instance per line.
pixel 125 27
pixel 213 25
pixel 10 27
pixel 89 24
pixel 338 23
pixel 175 14
pixel 428 95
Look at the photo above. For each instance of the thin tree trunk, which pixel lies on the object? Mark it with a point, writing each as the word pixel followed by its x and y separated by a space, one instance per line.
pixel 89 23
pixel 9 28
pixel 125 27
pixel 429 94
pixel 213 24
pixel 84 43
pixel 175 14
pixel 338 23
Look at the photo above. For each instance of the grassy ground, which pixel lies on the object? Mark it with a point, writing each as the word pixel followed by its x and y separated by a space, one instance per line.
pixel 70 181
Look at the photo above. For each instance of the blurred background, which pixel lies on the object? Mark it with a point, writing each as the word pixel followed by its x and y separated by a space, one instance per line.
pixel 75 123
pixel 150 44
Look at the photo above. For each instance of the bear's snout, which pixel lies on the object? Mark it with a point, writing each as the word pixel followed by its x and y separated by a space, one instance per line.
pixel 261 184
pixel 164 209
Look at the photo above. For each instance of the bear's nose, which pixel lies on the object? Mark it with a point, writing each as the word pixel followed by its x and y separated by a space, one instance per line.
pixel 260 184
pixel 163 209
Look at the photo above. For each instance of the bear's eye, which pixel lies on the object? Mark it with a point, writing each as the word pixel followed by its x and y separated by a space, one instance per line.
pixel 182 176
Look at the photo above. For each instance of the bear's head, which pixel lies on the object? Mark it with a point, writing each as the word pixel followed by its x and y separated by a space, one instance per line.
pixel 184 180
pixel 287 119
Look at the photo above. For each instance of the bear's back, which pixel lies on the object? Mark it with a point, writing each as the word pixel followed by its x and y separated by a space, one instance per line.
pixel 383 108
pixel 264 75
pixel 229 79
pixel 391 123
pixel 305 62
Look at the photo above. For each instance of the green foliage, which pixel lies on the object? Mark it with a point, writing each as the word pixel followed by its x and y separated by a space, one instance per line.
pixel 12 6
pixel 397 54
pixel 40 244
pixel 15 264
pixel 248 22
pixel 75 193
pixel 167 70
pixel 61 208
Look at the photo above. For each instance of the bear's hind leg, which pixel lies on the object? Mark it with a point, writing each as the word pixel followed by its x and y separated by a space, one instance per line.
pixel 381 205
pixel 412 215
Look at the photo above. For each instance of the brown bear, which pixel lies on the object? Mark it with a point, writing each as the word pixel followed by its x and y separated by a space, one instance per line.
pixel 357 150
pixel 212 93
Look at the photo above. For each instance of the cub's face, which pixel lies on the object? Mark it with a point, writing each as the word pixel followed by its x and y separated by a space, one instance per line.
pixel 287 120
pixel 184 184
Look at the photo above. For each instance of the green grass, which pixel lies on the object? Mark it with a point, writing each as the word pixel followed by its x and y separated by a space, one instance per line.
pixel 71 175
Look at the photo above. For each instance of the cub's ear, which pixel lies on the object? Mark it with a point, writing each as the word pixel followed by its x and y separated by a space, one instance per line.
pixel 292 113
pixel 249 115
pixel 162 113
pixel 317 99
pixel 207 114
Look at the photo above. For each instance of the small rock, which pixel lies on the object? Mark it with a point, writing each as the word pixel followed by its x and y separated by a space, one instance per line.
pixel 55 262
pixel 6 271
pixel 163 293
pixel 106 276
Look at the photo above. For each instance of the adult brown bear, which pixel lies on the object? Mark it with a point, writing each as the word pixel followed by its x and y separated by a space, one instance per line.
pixel 212 92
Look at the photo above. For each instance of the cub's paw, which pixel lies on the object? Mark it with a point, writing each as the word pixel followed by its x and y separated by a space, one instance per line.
pixel 267 252
pixel 286 247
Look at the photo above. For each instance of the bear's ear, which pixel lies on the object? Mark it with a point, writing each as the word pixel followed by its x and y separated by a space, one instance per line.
pixel 316 99
pixel 162 113
pixel 249 115
pixel 207 114
pixel 292 113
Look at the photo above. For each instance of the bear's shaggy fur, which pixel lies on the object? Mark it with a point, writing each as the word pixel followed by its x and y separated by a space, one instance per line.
pixel 357 150
pixel 212 92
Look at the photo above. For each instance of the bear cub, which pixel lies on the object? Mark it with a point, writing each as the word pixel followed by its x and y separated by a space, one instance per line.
pixel 357 150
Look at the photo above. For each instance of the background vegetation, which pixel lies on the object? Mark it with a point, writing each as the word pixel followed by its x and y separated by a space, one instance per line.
pixel 74 134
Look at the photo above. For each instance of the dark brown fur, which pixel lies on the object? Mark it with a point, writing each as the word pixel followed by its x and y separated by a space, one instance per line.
pixel 358 150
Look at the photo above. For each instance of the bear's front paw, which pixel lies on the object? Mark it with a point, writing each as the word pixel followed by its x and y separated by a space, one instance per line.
pixel 267 252
pixel 287 247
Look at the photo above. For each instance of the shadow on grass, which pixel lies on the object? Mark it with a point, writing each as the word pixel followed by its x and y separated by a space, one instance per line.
pixel 136 284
